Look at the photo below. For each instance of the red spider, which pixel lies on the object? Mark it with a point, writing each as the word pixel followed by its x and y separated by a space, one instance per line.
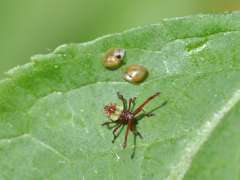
pixel 127 116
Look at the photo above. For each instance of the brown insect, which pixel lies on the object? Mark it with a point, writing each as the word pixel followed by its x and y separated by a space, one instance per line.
pixel 127 116
pixel 113 58
pixel 135 73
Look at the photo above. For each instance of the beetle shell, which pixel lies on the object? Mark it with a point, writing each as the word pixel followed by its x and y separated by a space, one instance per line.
pixel 135 73
pixel 113 58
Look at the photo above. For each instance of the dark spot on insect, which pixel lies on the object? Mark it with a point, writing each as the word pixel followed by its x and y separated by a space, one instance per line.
pixel 113 58
pixel 135 73
pixel 128 116
pixel 119 56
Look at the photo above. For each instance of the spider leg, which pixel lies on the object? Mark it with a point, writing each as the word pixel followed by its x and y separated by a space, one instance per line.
pixel 126 134
pixel 114 132
pixel 110 122
pixel 140 108
pixel 124 101
pixel 139 134
pixel 134 147
pixel 107 123
pixel 150 113
pixel 133 103
pixel 135 131
pixel 130 103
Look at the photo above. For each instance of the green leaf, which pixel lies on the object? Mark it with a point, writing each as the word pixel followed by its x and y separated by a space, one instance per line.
pixel 51 109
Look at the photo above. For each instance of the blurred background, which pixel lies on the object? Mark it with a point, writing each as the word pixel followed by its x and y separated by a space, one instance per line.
pixel 31 27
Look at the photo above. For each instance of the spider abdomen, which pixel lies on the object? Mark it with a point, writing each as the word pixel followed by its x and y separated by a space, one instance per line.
pixel 126 116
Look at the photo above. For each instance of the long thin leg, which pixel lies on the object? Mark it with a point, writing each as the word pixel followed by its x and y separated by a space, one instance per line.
pixel 110 122
pixel 150 113
pixel 114 133
pixel 124 101
pixel 107 123
pixel 147 114
pixel 133 102
pixel 135 131
pixel 139 109
pixel 111 127
pixel 129 104
pixel 126 134
pixel 134 146
pixel 138 134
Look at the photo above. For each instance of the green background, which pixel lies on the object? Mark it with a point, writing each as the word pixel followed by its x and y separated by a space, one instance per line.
pixel 31 27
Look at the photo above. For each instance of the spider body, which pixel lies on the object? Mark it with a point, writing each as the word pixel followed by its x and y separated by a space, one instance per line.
pixel 127 116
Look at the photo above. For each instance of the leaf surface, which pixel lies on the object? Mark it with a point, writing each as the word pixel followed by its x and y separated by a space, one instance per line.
pixel 51 109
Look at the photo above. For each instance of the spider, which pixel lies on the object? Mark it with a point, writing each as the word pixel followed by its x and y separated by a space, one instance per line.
pixel 119 117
